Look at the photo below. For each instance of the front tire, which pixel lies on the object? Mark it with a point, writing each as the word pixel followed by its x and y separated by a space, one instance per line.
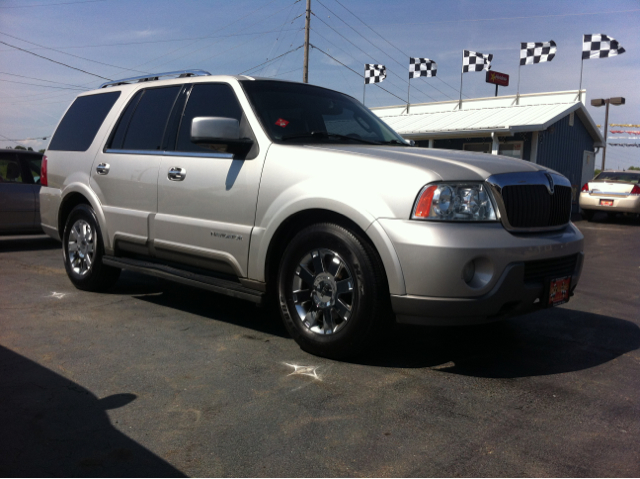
pixel 83 250
pixel 332 291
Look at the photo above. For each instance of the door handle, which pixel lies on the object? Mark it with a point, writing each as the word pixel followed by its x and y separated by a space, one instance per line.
pixel 103 168
pixel 176 173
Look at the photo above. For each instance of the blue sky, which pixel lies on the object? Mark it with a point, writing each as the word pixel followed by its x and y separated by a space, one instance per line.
pixel 121 38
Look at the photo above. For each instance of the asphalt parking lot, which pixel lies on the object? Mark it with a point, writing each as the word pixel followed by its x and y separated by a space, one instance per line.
pixel 157 379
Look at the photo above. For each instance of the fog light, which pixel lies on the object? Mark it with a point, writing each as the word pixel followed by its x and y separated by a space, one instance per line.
pixel 468 271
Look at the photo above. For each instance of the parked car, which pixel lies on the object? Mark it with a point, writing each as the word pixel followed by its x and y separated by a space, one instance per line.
pixel 19 191
pixel 263 189
pixel 612 192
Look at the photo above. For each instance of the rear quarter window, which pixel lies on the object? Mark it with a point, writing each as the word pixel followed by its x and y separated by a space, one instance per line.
pixel 82 121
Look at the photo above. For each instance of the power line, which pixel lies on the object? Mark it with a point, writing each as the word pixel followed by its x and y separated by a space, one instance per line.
pixel 71 54
pixel 54 61
pixel 211 44
pixel 25 139
pixel 360 75
pixel 393 59
pixel 45 86
pixel 206 37
pixel 269 61
pixel 40 79
pixel 367 54
pixel 512 18
pixel 374 31
pixel 54 4
pixel 351 56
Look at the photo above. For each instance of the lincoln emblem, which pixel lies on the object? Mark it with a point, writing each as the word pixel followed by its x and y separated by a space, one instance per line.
pixel 550 178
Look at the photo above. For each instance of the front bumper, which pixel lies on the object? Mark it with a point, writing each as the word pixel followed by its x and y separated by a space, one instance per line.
pixel 433 256
pixel 621 204
pixel 511 296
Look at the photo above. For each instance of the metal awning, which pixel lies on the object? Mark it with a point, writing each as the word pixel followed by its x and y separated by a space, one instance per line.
pixel 481 117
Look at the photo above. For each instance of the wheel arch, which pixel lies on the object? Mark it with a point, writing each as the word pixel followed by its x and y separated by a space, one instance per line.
pixel 75 195
pixel 373 234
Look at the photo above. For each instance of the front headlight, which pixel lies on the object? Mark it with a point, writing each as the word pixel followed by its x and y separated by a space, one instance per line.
pixel 454 202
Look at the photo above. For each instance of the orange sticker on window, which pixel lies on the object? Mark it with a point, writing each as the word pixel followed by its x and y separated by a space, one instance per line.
pixel 282 122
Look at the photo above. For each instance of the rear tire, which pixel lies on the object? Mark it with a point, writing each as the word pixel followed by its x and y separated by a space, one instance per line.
pixel 332 291
pixel 83 250
pixel 588 214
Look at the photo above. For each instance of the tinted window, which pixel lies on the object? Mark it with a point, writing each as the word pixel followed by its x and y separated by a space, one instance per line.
pixel 33 166
pixel 10 171
pixel 82 121
pixel 207 100
pixel 117 138
pixel 619 176
pixel 149 119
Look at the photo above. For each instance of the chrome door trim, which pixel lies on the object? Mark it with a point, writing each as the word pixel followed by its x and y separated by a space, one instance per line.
pixel 191 154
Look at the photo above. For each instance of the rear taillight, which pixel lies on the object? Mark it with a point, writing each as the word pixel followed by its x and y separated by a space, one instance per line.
pixel 635 190
pixel 43 172
pixel 585 187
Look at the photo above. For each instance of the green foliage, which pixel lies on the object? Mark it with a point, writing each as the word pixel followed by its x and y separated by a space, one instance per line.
pixel 635 168
pixel 597 172
pixel 42 151
pixel 19 147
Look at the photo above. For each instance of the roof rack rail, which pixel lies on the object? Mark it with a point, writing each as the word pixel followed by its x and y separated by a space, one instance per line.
pixel 156 76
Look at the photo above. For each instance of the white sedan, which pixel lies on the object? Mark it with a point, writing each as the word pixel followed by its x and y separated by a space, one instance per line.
pixel 613 192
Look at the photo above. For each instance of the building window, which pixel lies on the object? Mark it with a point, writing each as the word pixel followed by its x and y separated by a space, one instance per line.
pixel 513 149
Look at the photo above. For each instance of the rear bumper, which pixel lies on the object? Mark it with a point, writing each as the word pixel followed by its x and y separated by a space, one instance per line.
pixel 628 204
pixel 510 296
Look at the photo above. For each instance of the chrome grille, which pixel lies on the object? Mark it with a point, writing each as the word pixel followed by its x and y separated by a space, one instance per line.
pixel 532 206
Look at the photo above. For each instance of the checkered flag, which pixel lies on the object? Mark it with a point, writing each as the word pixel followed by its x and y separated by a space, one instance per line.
pixel 537 52
pixel 422 67
pixel 374 73
pixel 599 45
pixel 475 62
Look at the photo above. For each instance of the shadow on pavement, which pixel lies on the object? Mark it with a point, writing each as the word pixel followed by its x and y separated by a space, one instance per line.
pixel 618 219
pixel 27 243
pixel 547 342
pixel 53 427
pixel 218 307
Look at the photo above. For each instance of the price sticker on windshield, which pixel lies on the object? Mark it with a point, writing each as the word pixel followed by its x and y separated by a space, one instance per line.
pixel 282 122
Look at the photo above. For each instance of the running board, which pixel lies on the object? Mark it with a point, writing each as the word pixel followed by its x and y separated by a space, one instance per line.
pixel 211 283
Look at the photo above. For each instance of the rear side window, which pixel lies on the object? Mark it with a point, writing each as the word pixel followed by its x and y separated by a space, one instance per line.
pixel 143 122
pixel 209 99
pixel 82 121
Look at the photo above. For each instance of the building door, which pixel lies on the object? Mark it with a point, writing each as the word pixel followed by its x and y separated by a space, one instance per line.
pixel 588 166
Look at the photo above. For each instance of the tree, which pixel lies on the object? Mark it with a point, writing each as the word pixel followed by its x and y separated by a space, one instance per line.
pixel 19 147
pixel 636 168
pixel 42 151
pixel 596 172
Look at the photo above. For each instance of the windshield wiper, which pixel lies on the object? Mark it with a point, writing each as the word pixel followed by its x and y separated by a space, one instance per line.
pixel 394 142
pixel 325 135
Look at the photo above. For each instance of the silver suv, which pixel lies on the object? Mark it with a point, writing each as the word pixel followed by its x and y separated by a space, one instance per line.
pixel 268 189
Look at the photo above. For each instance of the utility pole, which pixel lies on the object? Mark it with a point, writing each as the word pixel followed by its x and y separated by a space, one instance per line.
pixel 305 69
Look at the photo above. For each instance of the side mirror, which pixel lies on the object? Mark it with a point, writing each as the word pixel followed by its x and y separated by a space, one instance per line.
pixel 219 134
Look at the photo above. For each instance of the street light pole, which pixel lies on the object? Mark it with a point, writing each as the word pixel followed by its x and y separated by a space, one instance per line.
pixel 606 102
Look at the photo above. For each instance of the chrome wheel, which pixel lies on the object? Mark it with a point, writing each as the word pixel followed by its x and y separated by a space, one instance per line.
pixel 81 247
pixel 323 291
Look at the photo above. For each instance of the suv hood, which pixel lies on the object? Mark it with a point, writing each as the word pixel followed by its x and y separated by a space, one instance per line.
pixel 449 165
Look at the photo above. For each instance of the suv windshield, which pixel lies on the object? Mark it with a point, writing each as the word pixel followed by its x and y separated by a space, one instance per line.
pixel 623 176
pixel 293 112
